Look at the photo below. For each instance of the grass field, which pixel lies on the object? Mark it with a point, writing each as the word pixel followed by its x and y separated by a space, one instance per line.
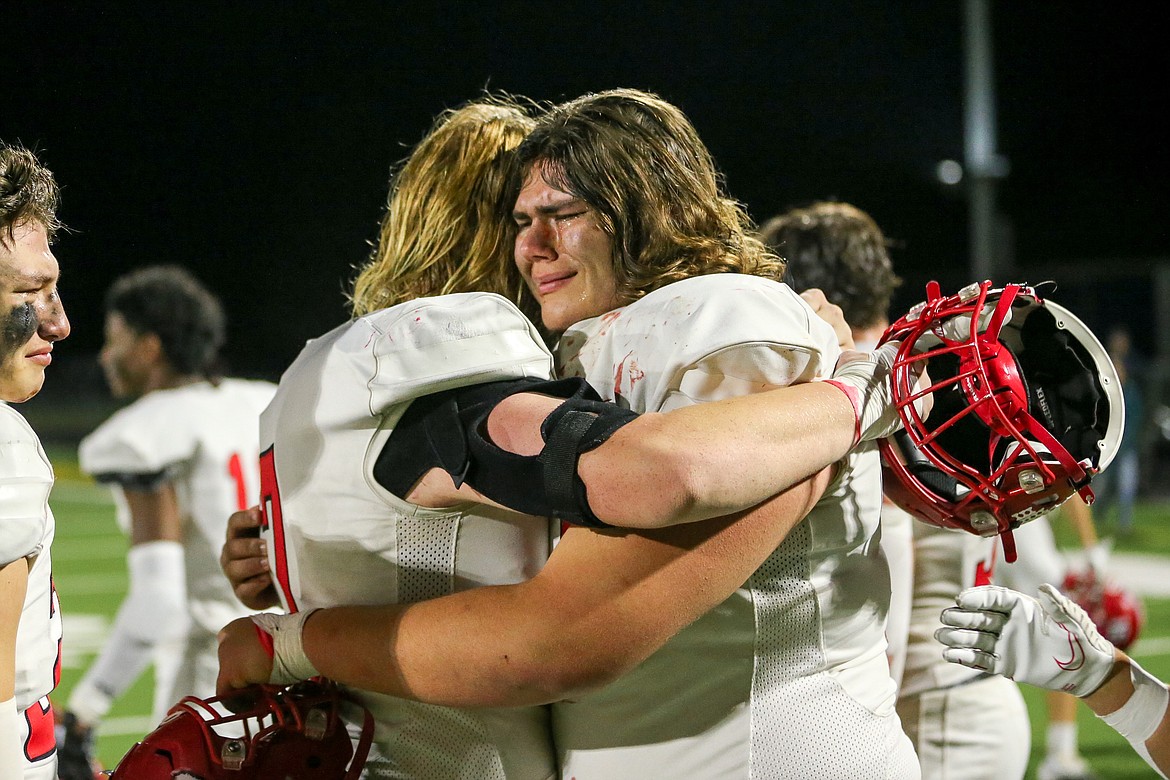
pixel 90 573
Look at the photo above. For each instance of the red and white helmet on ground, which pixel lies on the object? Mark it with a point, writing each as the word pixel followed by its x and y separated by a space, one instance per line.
pixel 1025 408
pixel 293 733
pixel 1114 610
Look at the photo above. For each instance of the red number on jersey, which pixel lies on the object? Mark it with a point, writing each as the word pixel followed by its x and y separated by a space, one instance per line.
pixel 42 739
pixel 270 517
pixel 236 471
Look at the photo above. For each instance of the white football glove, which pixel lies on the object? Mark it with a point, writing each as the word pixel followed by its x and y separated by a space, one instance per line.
pixel 1048 642
pixel 865 378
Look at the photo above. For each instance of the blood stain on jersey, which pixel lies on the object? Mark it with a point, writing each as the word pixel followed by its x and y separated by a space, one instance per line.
pixel 617 374
pixel 636 374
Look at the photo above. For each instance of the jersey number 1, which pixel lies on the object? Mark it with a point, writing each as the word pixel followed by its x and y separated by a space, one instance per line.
pixel 236 471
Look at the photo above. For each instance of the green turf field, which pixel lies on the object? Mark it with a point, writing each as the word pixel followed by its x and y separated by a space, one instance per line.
pixel 90 573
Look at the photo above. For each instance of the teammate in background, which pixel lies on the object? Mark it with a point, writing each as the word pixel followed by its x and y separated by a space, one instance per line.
pixel 33 320
pixel 1000 631
pixel 1043 563
pixel 1119 485
pixel 179 459
pixel 838 249
pixel 954 717
pixel 731 695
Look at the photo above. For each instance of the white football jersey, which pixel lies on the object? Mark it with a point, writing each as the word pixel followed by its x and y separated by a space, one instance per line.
pixel 26 531
pixel 788 677
pixel 336 536
pixel 964 723
pixel 946 561
pixel 205 437
pixel 898 547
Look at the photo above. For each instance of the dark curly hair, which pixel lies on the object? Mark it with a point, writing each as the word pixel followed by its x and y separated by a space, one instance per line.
pixel 840 249
pixel 169 302
pixel 28 191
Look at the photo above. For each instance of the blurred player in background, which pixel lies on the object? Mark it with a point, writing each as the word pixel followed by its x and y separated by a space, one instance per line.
pixel 1043 563
pixel 1119 485
pixel 179 459
pixel 954 716
pixel 995 630
pixel 838 249
pixel 33 320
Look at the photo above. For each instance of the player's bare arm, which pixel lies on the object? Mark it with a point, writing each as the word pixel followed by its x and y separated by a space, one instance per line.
pixel 13 581
pixel 705 462
pixel 154 515
pixel 1119 691
pixel 603 603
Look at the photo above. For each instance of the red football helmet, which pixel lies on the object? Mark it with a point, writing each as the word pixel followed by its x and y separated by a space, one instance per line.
pixel 1025 409
pixel 1115 611
pixel 290 733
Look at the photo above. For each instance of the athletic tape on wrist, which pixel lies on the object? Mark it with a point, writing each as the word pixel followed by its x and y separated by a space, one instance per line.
pixel 854 396
pixel 1138 718
pixel 289 662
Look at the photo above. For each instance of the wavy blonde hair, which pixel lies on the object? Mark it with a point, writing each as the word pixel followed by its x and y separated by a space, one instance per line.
pixel 447 226
pixel 639 162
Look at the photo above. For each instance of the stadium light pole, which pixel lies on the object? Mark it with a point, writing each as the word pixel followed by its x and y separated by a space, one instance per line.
pixel 984 166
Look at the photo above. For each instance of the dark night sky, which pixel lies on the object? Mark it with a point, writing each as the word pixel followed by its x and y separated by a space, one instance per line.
pixel 252 141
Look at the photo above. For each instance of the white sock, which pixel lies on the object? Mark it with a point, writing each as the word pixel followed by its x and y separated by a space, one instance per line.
pixel 1062 739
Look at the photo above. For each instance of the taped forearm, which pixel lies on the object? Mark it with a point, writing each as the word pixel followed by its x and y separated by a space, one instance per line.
pixel 717 458
pixel 1142 714
pixel 154 610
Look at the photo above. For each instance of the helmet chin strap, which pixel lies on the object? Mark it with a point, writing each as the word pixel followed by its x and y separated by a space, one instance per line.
pixel 1009 546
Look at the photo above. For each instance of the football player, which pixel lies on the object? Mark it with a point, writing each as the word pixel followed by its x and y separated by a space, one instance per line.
pixel 795 653
pixel 954 716
pixel 1045 563
pixel 33 321
pixel 1052 643
pixel 838 251
pixel 180 458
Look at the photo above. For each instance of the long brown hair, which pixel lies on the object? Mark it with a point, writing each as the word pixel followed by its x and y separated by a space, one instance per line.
pixel 447 224
pixel 639 162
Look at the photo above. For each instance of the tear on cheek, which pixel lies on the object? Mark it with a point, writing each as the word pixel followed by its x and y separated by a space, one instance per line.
pixel 18 326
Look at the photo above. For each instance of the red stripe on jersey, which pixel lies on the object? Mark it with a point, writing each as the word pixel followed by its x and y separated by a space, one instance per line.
pixel 272 517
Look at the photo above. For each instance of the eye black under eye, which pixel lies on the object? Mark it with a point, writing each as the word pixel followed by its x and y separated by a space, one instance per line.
pixel 17 326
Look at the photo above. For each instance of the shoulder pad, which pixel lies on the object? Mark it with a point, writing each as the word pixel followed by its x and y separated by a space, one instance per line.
pixel 434 344
pixel 25 481
pixel 145 437
pixel 746 327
